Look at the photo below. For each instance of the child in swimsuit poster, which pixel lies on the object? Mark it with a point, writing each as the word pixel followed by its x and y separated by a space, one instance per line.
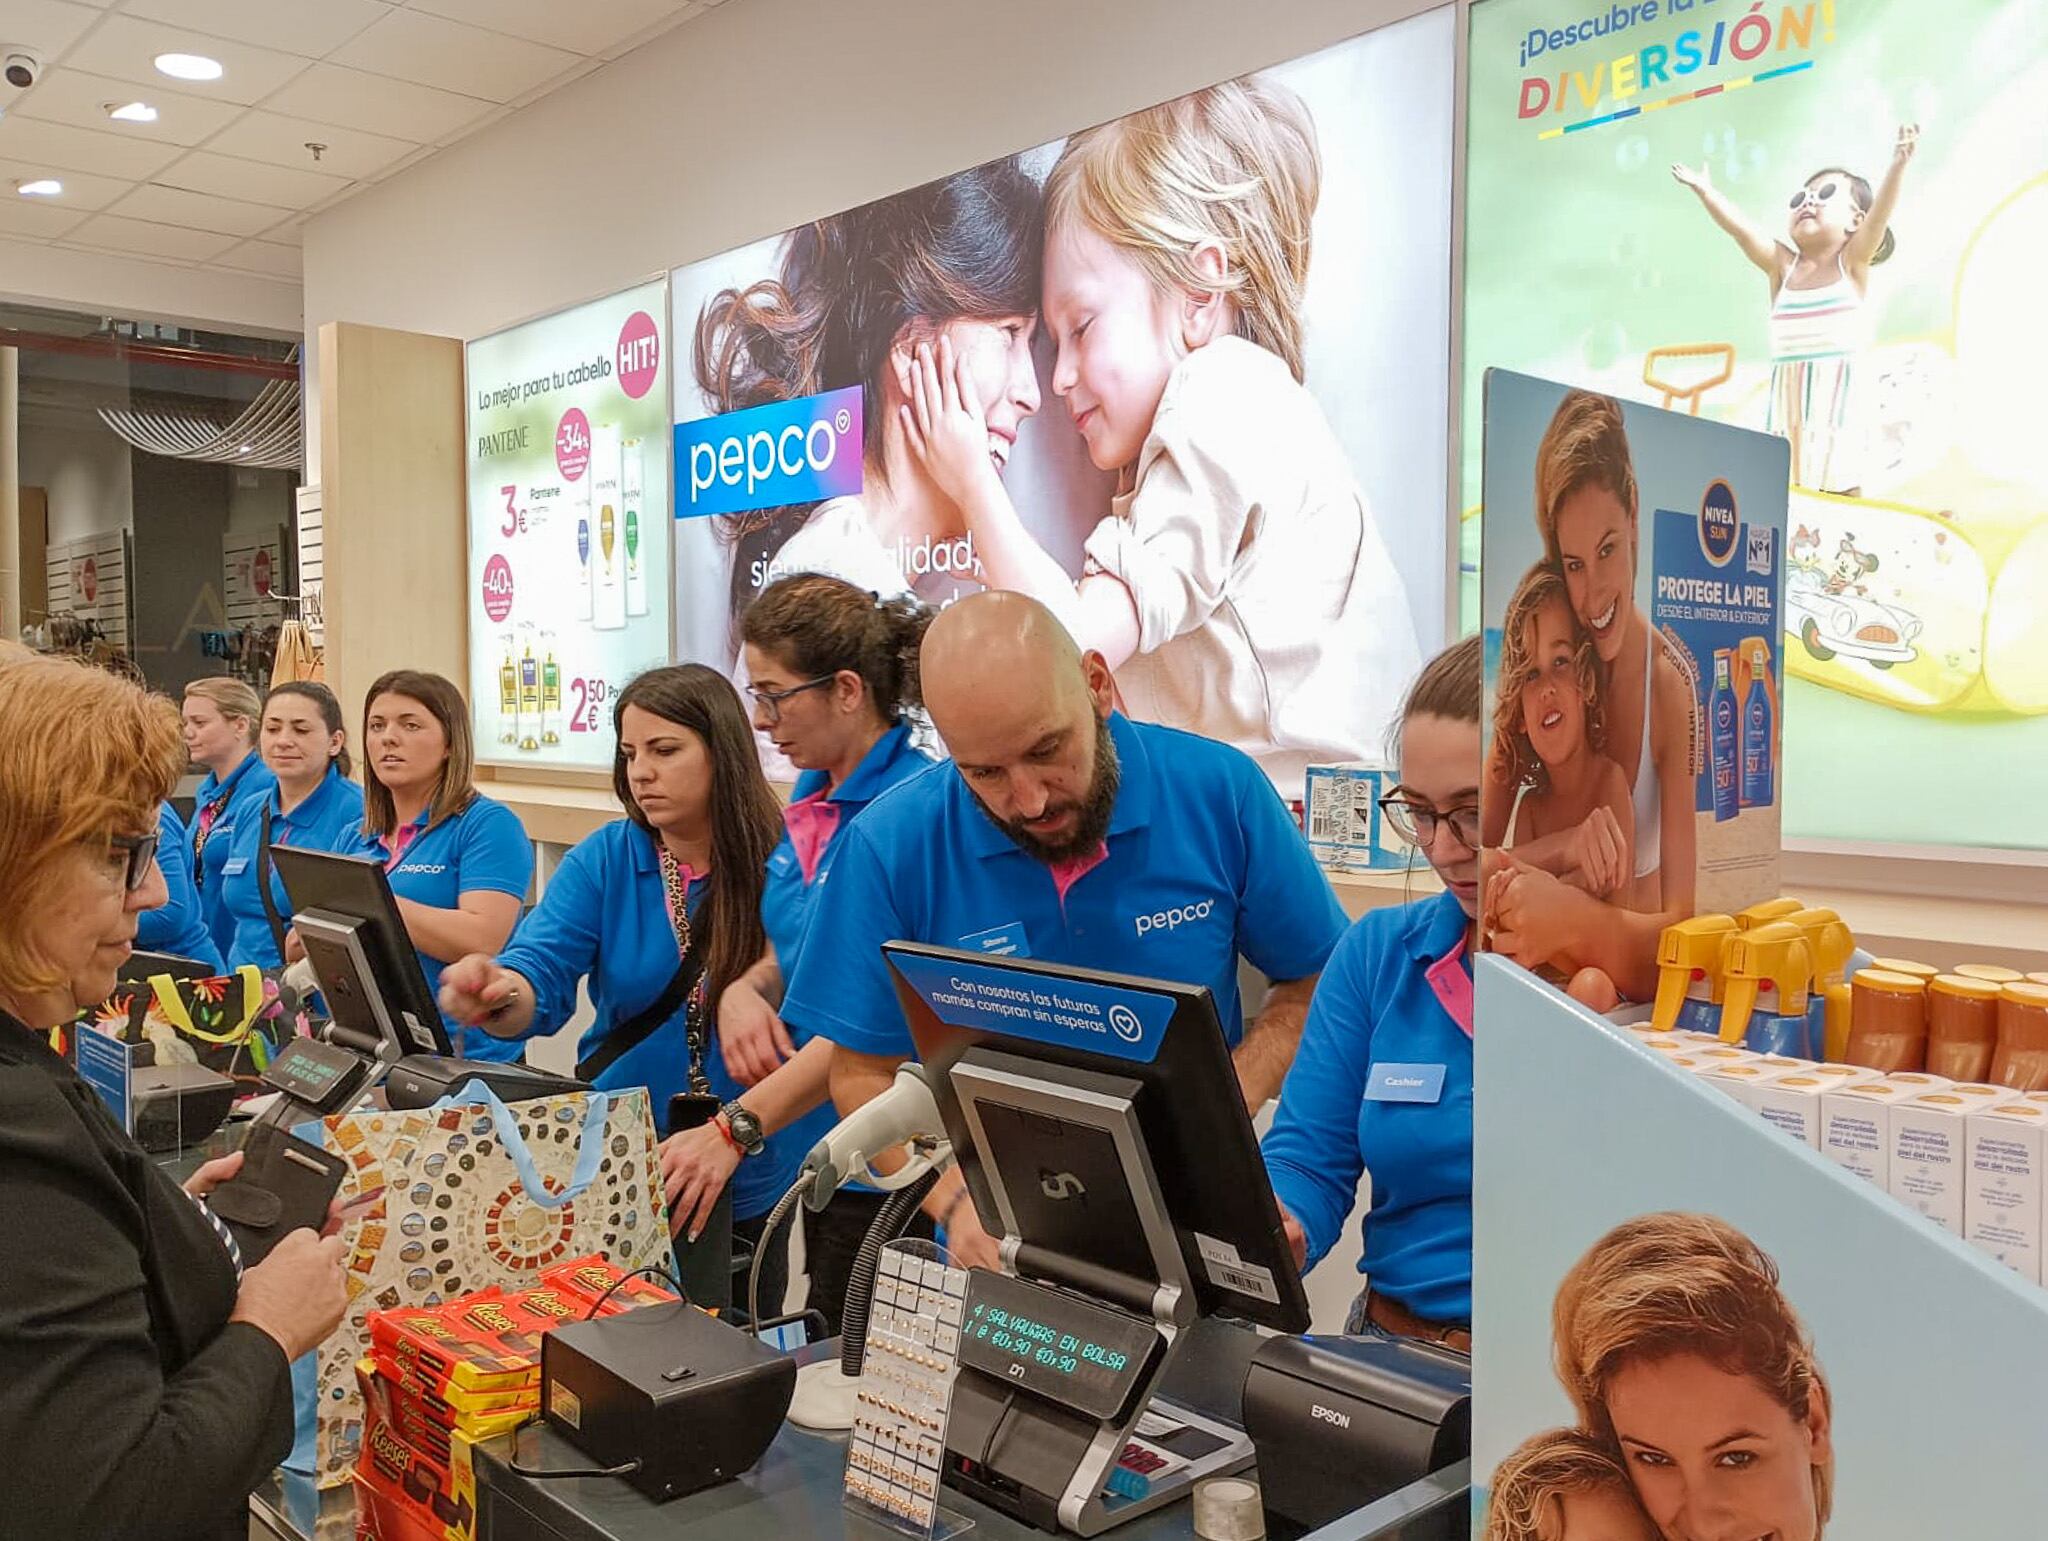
pixel 1132 373
pixel 1614 601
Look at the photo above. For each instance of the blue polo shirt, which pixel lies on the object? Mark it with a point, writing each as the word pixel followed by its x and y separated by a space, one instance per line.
pixel 245 786
pixel 1204 863
pixel 330 820
pixel 1383 1083
pixel 603 918
pixel 480 848
pixel 176 926
pixel 789 898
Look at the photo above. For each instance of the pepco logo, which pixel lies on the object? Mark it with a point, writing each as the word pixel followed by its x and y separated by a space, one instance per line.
pixel 1169 920
pixel 800 451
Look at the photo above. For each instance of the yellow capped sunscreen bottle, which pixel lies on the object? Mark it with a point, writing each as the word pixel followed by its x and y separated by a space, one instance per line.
pixel 1767 977
pixel 1689 973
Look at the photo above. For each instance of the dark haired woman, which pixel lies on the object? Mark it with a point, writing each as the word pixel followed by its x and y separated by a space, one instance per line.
pixel 834 672
pixel 458 862
pixel 659 912
pixel 956 259
pixel 313 806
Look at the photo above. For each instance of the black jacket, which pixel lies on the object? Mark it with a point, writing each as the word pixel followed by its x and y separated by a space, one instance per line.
pixel 131 1409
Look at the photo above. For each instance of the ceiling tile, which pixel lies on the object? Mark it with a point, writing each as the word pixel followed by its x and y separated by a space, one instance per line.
pixel 589 28
pixel 311 28
pixel 327 93
pixel 75 97
pixel 229 176
pixel 196 211
pixel 43 221
pixel 81 149
pixel 432 52
pixel 291 233
pixel 126 47
pixel 263 257
pixel 112 233
pixel 48 26
pixel 82 191
pixel 282 141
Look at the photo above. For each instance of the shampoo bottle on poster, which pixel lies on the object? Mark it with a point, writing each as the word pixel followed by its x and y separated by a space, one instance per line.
pixel 550 699
pixel 529 700
pixel 1757 773
pixel 1722 727
pixel 508 698
pixel 630 493
pixel 609 560
pixel 579 504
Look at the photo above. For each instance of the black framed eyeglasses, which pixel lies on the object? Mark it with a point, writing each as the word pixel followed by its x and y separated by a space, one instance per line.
pixel 770 701
pixel 138 851
pixel 1417 823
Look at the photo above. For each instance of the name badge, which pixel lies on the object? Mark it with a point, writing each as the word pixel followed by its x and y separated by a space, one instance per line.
pixel 1404 1083
pixel 1004 941
pixel 236 867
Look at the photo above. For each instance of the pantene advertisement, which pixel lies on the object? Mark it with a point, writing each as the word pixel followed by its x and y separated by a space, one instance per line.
pixel 1631 570
pixel 568 546
pixel 1823 219
pixel 1178 375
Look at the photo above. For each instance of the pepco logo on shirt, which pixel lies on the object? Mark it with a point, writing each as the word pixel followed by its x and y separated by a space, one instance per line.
pixel 433 868
pixel 1169 920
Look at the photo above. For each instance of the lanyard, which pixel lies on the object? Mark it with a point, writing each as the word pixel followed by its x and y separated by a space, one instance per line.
pixel 202 830
pixel 675 888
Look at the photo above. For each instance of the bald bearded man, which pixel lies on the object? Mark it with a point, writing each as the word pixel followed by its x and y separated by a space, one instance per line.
pixel 1064 832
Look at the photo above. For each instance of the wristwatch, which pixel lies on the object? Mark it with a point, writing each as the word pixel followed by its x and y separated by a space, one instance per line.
pixel 744 1128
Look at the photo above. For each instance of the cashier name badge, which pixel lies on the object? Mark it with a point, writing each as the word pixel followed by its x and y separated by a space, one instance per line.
pixel 1404 1083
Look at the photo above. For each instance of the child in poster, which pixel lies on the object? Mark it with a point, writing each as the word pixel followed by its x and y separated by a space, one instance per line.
pixel 1565 1485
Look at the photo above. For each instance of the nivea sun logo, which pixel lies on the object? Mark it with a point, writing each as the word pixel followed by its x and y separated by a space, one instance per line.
pixel 1720 525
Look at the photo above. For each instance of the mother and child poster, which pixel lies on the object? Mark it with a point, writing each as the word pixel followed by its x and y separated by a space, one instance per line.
pixel 1822 219
pixel 1132 372
pixel 1633 568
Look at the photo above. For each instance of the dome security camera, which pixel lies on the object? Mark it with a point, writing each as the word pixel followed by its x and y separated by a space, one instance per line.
pixel 23 67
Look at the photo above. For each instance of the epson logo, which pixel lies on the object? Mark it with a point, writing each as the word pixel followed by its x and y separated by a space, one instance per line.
pixel 800 451
pixel 1168 920
pixel 1329 1415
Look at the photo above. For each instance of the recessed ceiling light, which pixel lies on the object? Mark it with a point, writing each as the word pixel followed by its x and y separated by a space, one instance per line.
pixel 42 187
pixel 132 112
pixel 188 66
pixel 246 449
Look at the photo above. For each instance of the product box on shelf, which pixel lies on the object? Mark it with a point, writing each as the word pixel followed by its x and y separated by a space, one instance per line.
pixel 1929 1155
pixel 1856 1127
pixel 1742 1080
pixel 1341 817
pixel 2005 1193
pixel 1793 1102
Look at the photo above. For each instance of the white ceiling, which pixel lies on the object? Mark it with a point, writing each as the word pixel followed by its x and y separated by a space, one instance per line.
pixel 223 179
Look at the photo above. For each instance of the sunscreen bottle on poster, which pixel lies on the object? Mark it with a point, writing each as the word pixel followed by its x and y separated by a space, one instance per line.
pixel 1721 727
pixel 550 698
pixel 631 493
pixel 508 698
pixel 609 559
pixel 579 505
pixel 1757 775
pixel 529 699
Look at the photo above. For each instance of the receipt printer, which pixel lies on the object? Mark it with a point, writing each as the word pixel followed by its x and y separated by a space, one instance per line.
pixel 683 1399
pixel 1340 1422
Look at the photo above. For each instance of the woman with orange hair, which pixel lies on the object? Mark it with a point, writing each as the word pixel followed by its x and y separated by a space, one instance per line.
pixel 144 1376
pixel 1674 1340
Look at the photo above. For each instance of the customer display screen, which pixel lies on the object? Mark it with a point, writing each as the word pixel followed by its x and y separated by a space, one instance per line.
pixel 1055 1344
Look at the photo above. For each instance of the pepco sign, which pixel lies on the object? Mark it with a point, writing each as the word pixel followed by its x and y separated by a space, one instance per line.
pixel 800 451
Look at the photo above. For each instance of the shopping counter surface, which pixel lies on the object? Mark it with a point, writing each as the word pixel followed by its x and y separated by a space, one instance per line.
pixel 795 1490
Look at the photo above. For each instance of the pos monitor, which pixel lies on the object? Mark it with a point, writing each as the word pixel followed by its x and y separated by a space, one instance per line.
pixel 1100 1127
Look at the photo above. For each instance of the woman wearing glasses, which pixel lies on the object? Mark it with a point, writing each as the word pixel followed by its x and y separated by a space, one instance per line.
pixel 144 1375
pixel 1383 1079
pixel 834 672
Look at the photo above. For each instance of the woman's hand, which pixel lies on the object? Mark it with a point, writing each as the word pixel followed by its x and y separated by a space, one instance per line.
pixel 1530 914
pixel 695 1166
pixel 970 1244
pixel 1598 853
pixel 750 1035
pixel 475 989
pixel 211 1175
pixel 298 1294
pixel 944 421
pixel 294 949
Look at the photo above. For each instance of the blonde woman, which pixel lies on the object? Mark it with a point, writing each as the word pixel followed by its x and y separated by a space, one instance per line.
pixel 144 1375
pixel 1239 588
pixel 220 718
pixel 1682 1354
